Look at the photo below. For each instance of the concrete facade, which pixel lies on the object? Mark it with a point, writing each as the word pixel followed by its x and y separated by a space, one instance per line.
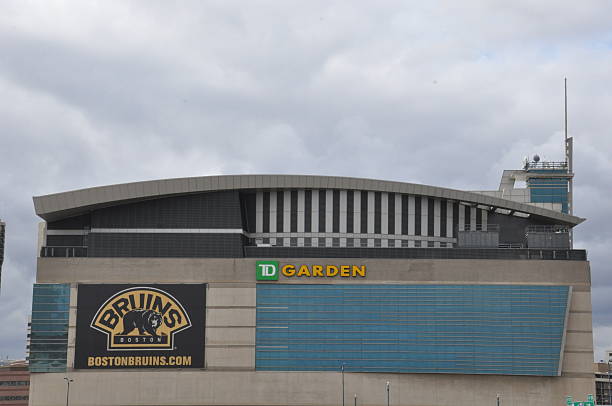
pixel 230 378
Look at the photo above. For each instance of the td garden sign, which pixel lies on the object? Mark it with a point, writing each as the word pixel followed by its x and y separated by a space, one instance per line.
pixel 270 271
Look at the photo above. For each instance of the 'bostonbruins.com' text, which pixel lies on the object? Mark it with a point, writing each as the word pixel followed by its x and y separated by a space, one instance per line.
pixel 139 361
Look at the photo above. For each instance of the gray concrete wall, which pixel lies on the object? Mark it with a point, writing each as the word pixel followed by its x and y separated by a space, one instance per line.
pixel 182 387
pixel 230 378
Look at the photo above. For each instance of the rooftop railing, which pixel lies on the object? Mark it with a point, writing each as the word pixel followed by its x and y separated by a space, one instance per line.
pixel 67 252
pixel 545 165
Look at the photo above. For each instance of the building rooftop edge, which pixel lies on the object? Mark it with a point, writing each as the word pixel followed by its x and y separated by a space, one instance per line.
pixel 72 203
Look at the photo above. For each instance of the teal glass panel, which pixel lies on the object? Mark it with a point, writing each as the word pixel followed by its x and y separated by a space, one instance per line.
pixel 49 328
pixel 465 329
pixel 549 190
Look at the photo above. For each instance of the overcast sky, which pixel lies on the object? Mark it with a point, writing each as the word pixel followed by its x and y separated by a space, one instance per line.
pixel 97 93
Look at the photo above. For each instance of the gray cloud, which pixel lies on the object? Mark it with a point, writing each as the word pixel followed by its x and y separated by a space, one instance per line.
pixel 449 96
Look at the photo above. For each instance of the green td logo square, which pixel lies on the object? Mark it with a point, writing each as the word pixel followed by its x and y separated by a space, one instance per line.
pixel 267 270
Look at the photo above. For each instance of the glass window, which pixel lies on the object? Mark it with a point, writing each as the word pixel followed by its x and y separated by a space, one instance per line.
pixel 49 326
pixel 467 329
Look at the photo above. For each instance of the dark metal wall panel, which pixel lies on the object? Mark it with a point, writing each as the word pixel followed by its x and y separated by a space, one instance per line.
pixel 166 245
pixel 350 212
pixel 71 223
pixel 415 253
pixel 512 228
pixel 248 206
pixel 66 241
pixel 266 212
pixel 430 216
pixel 391 213
pixel 455 218
pixel 280 210
pixel 364 212
pixel 308 211
pixel 443 214
pixel 322 201
pixel 205 210
pixel 405 215
pixel 417 215
pixel 336 211
pixel 294 215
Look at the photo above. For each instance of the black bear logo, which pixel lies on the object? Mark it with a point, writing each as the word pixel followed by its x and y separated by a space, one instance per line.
pixel 143 320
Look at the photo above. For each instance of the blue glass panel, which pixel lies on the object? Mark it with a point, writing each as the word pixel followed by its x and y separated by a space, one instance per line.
pixel 49 338
pixel 467 329
pixel 549 190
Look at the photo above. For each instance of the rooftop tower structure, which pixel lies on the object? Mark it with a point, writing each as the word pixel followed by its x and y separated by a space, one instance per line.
pixel 2 238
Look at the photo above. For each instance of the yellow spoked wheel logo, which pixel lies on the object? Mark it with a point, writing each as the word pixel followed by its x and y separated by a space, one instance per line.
pixel 141 318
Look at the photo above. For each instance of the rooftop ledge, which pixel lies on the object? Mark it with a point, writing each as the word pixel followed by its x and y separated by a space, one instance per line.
pixel 73 203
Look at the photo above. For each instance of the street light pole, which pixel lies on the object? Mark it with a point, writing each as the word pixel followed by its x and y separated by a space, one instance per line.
pixel 68 380
pixel 355 400
pixel 387 393
pixel 498 399
pixel 342 369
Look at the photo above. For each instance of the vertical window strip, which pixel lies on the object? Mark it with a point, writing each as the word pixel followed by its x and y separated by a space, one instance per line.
pixel 405 215
pixel 398 218
pixel 424 215
pixel 335 211
pixel 371 210
pixel 377 212
pixel 329 213
pixel 343 216
pixel 357 213
pixel 437 218
pixel 293 225
pixel 391 214
pixel 308 211
pixel 266 212
pixel 443 218
pixel 350 211
pixel 431 216
pixel 384 213
pixel 467 218
pixel 280 212
pixel 273 215
pixel 364 212
pixel 300 210
pixel 485 219
pixel 455 222
pixel 322 201
pixel 259 211
pixel 417 215
pixel 300 215
pixel 315 216
pixel 286 216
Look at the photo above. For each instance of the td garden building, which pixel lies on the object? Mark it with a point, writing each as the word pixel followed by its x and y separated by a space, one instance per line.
pixel 310 290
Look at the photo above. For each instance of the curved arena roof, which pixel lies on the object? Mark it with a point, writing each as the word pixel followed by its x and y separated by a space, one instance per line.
pixel 73 203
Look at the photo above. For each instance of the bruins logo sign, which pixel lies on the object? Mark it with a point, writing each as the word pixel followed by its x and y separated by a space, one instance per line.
pixel 141 318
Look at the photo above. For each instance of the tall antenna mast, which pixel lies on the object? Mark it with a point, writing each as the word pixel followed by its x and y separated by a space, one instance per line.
pixel 569 157
pixel 566 149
